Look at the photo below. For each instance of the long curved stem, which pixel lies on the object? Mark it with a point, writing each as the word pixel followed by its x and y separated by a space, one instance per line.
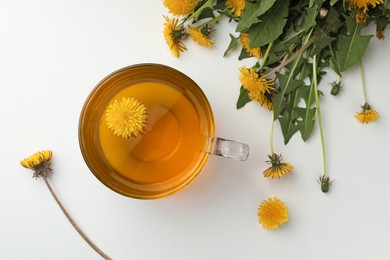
pixel 315 82
pixel 82 234
pixel 271 136
pixel 363 82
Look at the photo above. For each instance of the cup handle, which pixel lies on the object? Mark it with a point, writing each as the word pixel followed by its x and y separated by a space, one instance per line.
pixel 230 149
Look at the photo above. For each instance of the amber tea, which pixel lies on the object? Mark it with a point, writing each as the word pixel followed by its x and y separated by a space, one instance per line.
pixel 171 143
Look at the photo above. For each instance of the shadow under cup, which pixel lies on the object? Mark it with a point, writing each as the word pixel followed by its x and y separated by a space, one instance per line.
pixel 175 145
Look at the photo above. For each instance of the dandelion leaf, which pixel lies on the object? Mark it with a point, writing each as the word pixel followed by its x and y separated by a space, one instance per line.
pixel 251 13
pixel 271 25
pixel 232 45
pixel 243 99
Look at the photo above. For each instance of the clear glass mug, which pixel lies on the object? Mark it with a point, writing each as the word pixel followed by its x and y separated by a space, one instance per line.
pixel 176 144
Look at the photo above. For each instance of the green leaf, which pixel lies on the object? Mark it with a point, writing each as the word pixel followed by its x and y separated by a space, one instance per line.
pixel 321 41
pixel 306 125
pixel 206 13
pixel 287 83
pixel 271 26
pixel 288 129
pixel 251 13
pixel 243 99
pixel 279 103
pixel 334 66
pixel 350 49
pixel 333 2
pixel 332 22
pixel 232 45
pixel 306 122
pixel 288 118
pixel 309 19
pixel 244 54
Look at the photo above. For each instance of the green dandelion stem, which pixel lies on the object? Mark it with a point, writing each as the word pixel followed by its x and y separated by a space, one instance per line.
pixel 216 19
pixel 315 82
pixel 78 229
pixel 265 58
pixel 195 15
pixel 363 83
pixel 271 136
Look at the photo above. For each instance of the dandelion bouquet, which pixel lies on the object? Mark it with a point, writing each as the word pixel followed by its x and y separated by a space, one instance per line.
pixel 293 42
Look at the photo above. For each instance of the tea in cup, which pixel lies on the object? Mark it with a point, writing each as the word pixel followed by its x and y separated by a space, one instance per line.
pixel 175 144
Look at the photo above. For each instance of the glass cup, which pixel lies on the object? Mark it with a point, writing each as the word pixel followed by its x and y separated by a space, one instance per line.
pixel 175 144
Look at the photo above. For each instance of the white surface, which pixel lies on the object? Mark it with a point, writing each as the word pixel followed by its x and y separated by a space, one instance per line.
pixel 52 53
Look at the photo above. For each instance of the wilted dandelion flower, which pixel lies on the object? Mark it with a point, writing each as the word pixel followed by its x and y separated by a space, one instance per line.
pixel 278 168
pixel 180 7
pixel 272 213
pixel 367 114
pixel 174 34
pixel 200 35
pixel 126 117
pixel 364 4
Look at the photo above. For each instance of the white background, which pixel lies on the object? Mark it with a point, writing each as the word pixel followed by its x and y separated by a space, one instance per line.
pixel 52 54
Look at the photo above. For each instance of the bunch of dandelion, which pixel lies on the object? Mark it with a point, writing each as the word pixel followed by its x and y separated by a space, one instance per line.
pixel 367 114
pixel 175 31
pixel 40 163
pixel 272 213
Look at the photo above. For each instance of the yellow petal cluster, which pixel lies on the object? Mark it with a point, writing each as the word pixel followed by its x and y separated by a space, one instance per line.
pixel 180 7
pixel 254 52
pixel 259 88
pixel 236 6
pixel 198 37
pixel 37 159
pixel 367 116
pixel 364 4
pixel 272 213
pixel 174 34
pixel 278 170
pixel 126 117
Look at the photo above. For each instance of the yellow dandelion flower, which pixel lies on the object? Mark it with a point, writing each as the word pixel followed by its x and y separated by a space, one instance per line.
pixel 363 4
pixel 180 7
pixel 39 162
pixel 272 213
pixel 264 99
pixel 37 159
pixel 200 36
pixel 367 114
pixel 251 81
pixel 254 52
pixel 278 168
pixel 126 117
pixel 236 6
pixel 174 34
